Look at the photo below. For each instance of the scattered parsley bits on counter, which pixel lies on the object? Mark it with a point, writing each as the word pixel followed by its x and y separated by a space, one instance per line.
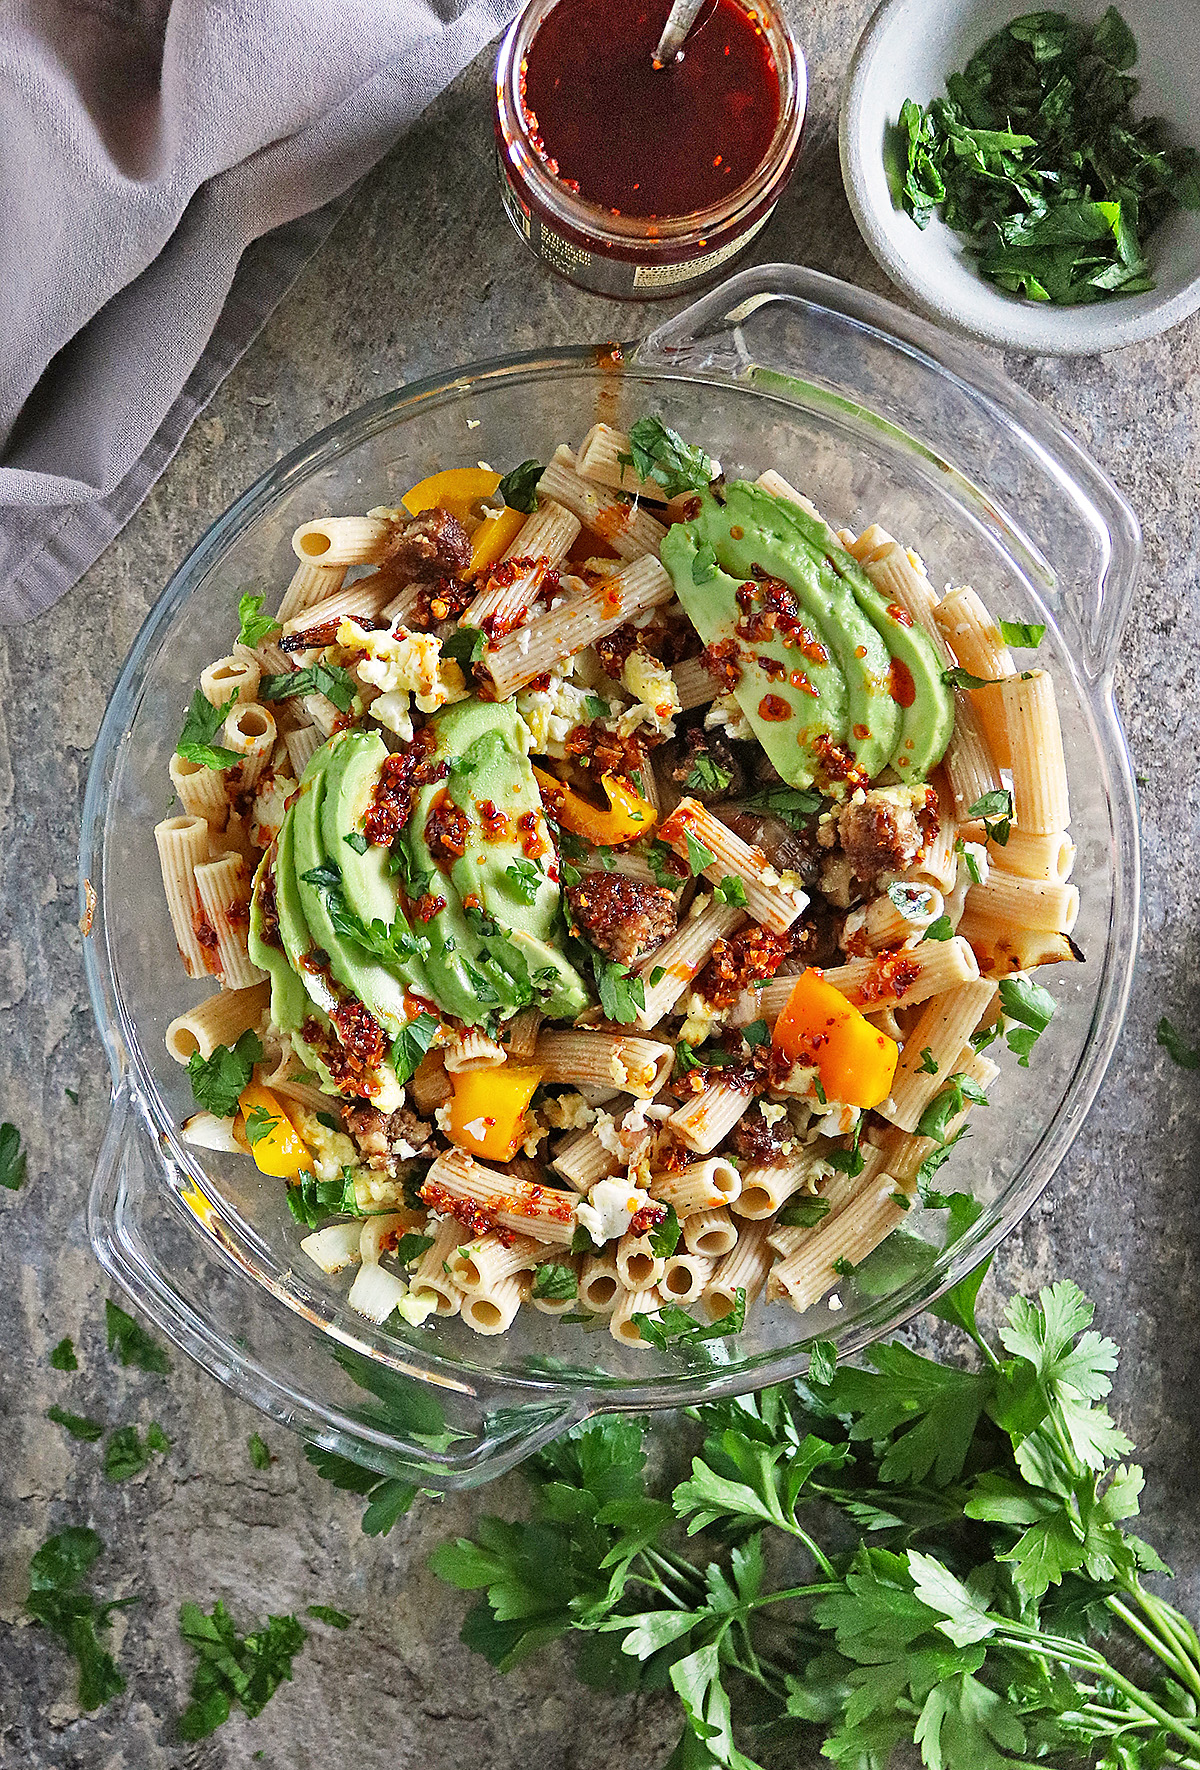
pixel 133 1345
pixel 1176 1046
pixel 63 1356
pixel 247 1670
pixel 260 1456
pixel 126 1454
pixel 1035 158
pixel 12 1158
pixel 78 1425
pixel 57 1601
pixel 336 1619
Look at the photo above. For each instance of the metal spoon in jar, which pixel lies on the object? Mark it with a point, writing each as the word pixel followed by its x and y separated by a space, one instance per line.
pixel 680 19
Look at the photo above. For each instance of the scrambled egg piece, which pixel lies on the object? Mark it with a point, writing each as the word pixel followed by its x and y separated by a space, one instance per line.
pixel 269 807
pixel 550 715
pixel 725 711
pixel 656 698
pixel 400 663
pixel 609 1209
pixel 331 1150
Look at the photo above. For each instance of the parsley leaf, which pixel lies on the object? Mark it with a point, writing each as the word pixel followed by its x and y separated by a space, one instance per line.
pixel 663 864
pixel 622 995
pixel 254 625
pixel 554 1281
pixel 336 684
pixel 411 1246
pixel 411 1044
pixel 133 1345
pixel 595 707
pixel 660 454
pixel 526 879
pixel 1176 1046
pixel 126 1454
pixel 57 1601
pixel 63 1356
pixel 201 726
pixel 260 1456
pixel 465 646
pixel 941 929
pixel 217 1081
pixel 706 776
pixel 756 1033
pixel 518 488
pixel 1030 1004
pixel 246 1670
pixel 259 1123
pixel 946 1105
pixel 960 678
pixel 672 1324
pixel 664 1237
pixel 698 856
pixel 336 1619
pixel 356 840
pixel 12 1158
pixel 704 564
pixel 804 1213
pixel 791 805
pixel 998 805
pixel 78 1425
pixel 1023 635
pixel 730 891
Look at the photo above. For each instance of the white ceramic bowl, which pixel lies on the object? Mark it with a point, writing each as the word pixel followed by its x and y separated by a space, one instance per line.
pixel 906 51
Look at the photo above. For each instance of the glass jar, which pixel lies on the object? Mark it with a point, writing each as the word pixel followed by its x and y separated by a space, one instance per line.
pixel 640 257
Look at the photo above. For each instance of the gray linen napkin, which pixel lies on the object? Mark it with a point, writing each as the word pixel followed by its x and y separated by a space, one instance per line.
pixel 166 169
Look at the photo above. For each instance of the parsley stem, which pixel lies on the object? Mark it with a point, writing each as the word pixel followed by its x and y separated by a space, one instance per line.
pixel 1070 1653
pixel 815 1550
pixel 1167 1651
pixel 1169 1624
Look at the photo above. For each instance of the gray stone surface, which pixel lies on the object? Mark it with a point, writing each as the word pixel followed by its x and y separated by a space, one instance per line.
pixel 424 272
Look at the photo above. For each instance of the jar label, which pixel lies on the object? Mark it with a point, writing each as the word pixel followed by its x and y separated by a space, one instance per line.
pixel 663 276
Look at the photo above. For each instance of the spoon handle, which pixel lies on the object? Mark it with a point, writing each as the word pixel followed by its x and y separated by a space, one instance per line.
pixel 680 20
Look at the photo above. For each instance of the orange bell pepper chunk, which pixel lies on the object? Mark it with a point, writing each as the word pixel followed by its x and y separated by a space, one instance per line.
pixel 627 816
pixel 459 490
pixel 819 1028
pixel 494 536
pixel 276 1145
pixel 487 1113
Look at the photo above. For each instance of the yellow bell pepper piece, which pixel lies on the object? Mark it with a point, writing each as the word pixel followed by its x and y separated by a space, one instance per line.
pixel 494 536
pixel 820 1028
pixel 487 1114
pixel 627 816
pixel 458 490
pixel 276 1145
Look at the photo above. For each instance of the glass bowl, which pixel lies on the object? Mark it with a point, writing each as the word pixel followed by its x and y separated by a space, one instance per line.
pixel 879 418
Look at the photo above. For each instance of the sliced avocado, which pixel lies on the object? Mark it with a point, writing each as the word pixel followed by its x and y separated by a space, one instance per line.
pixel 381 994
pixel 853 704
pixel 927 722
pixel 293 929
pixel 456 980
pixel 351 777
pixel 291 1006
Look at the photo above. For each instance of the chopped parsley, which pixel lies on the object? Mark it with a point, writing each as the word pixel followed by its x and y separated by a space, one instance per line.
pixel 704 563
pixel 1023 635
pixel 126 1454
pixel 78 1425
pixel 518 488
pixel 58 1601
pixel 595 707
pixel 659 453
pixel 674 1325
pixel 698 856
pixel 133 1345
pixel 63 1356
pixel 217 1081
pixel 201 726
pixel 730 891
pixel 465 646
pixel 622 996
pixel 970 860
pixel 843 1267
pixel 1035 158
pixel 660 859
pixel 791 805
pixel 960 678
pixel 997 805
pixel 411 1246
pixel 259 1124
pixel 757 1032
pixel 555 1282
pixel 260 1456
pixel 336 684
pixel 664 1237
pixel 254 625
pixel 706 776
pixel 312 1201
pixel 356 840
pixel 1176 1046
pixel 946 1105
pixel 1030 1004
pixel 929 1063
pixel 411 1043
pixel 941 929
pixel 325 1613
pixel 12 1158
pixel 234 1669
pixel 526 879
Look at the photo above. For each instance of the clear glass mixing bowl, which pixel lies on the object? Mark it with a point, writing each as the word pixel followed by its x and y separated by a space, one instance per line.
pixel 879 417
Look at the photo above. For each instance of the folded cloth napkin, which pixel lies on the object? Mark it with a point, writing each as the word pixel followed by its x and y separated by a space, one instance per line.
pixel 166 169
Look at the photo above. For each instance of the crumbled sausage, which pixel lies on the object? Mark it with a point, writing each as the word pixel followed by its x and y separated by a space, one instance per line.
pixel 622 917
pixel 432 545
pixel 748 957
pixel 883 831
pixel 755 1141
pixel 386 1140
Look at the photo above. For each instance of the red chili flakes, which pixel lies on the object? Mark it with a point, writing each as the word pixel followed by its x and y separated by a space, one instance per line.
pixel 770 610
pixel 427 906
pixel 204 931
pixel 838 764
pixel 473 1217
pixel 802 685
pixel 267 908
pixel 494 821
pixel 648 1218
pixel 443 599
pixel 774 708
pixel 604 752
pixel 616 648
pixel 361 1034
pixel 446 830
pixel 771 667
pixel 400 780
pixel 722 661
pixel 237 913
pixel 532 843
pixel 750 956
pixel 891 975
pixel 861 732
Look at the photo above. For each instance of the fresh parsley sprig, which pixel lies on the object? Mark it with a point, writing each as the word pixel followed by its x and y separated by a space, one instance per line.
pixel 201 726
pixel 660 454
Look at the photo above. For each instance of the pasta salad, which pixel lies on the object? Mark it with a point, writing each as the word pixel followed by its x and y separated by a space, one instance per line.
pixel 613 879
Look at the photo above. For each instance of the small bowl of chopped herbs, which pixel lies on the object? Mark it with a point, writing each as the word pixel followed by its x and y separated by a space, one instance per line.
pixel 1031 179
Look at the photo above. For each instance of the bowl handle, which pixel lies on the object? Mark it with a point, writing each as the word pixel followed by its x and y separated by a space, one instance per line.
pixel 905 386
pixel 376 1403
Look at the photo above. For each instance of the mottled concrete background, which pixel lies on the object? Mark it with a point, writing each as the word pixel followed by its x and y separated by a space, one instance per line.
pixel 424 272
